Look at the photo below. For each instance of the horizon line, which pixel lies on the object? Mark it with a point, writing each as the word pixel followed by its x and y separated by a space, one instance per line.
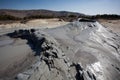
pixel 58 11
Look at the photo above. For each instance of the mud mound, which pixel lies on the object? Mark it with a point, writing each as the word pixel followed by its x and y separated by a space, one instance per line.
pixel 91 44
pixel 81 50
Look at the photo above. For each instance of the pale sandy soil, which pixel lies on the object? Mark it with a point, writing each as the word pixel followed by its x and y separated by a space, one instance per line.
pixel 37 23
pixel 50 23
pixel 113 25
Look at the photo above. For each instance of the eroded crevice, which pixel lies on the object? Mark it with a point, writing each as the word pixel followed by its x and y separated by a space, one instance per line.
pixel 117 68
pixel 79 74
pixel 91 75
pixel 116 48
pixel 79 71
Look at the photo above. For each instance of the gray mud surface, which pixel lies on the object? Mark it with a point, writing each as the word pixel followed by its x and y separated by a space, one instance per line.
pixel 80 50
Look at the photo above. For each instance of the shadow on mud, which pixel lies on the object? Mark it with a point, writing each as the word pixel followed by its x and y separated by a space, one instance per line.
pixel 32 40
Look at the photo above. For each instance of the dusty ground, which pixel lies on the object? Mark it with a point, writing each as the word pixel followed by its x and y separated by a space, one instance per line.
pixel 113 25
pixel 37 23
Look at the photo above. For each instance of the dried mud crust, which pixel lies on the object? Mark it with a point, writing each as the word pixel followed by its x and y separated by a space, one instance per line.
pixel 76 51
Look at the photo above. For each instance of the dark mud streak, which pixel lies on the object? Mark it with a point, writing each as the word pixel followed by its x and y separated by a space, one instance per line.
pixel 112 46
pixel 118 69
pixel 91 75
pixel 86 20
pixel 78 76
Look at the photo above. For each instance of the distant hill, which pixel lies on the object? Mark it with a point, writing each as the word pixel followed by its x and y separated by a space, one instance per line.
pixel 9 14
pixel 28 13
